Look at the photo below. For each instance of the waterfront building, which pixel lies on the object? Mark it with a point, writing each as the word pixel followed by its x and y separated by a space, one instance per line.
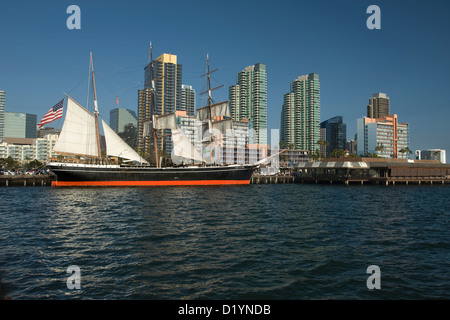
pixel 383 136
pixel 300 113
pixel 20 125
pixel 166 75
pixel 379 106
pixel 27 149
pixel 292 158
pixel 188 100
pixel 431 154
pixel 335 134
pixel 248 100
pixel 124 123
pixel 373 171
pixel 2 114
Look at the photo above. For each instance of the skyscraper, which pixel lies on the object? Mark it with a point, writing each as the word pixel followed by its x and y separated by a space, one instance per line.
pixel 144 107
pixel 188 100
pixel 124 122
pixel 20 125
pixel 335 134
pixel 248 100
pixel 166 75
pixel 2 114
pixel 379 106
pixel 300 114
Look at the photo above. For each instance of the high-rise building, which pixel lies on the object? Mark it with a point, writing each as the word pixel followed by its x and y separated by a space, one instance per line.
pixel 2 115
pixel 335 134
pixel 383 136
pixel 248 100
pixel 166 75
pixel 351 145
pixel 300 114
pixel 188 100
pixel 144 108
pixel 379 106
pixel 124 123
pixel 20 125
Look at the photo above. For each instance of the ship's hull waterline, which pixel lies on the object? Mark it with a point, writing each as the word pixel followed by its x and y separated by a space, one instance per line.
pixel 79 175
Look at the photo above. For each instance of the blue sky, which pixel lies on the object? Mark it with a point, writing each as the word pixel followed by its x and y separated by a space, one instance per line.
pixel 409 58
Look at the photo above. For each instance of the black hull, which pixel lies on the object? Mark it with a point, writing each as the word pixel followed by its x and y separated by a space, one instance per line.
pixel 91 175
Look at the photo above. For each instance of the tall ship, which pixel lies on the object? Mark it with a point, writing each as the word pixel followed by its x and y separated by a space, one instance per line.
pixel 80 137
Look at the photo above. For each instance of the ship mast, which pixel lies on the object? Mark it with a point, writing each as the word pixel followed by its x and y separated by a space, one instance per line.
pixel 210 101
pixel 208 74
pixel 96 113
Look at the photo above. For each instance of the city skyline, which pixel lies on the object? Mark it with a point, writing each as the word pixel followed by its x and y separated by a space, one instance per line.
pixel 407 58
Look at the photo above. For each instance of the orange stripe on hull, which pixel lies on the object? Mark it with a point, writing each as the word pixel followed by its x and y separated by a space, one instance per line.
pixel 146 183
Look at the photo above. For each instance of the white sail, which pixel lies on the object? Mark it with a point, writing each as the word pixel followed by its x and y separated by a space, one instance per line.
pixel 165 121
pixel 116 147
pixel 217 110
pixel 183 147
pixel 147 124
pixel 78 134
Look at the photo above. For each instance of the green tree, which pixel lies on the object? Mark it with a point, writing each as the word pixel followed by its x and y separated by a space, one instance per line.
pixel 35 164
pixel 379 149
pixel 9 163
pixel 405 150
pixel 337 153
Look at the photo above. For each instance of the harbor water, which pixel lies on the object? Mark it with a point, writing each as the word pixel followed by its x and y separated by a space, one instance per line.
pixel 274 241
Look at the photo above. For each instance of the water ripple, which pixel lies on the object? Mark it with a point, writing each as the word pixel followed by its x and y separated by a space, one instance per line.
pixel 256 242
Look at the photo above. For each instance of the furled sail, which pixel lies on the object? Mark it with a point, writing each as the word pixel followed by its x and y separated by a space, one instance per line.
pixel 78 134
pixel 217 110
pixel 116 147
pixel 182 146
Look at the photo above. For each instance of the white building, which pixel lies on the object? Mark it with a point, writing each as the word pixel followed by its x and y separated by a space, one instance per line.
pixel 431 154
pixel 24 150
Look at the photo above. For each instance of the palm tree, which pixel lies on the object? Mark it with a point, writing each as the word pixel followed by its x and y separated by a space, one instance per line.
pixel 316 155
pixel 337 153
pixel 323 143
pixel 379 148
pixel 405 150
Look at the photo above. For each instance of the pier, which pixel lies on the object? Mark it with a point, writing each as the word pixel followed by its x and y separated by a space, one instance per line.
pixel 376 171
pixel 262 179
pixel 26 180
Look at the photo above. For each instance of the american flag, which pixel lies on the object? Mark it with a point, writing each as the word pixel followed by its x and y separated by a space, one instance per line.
pixel 54 113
